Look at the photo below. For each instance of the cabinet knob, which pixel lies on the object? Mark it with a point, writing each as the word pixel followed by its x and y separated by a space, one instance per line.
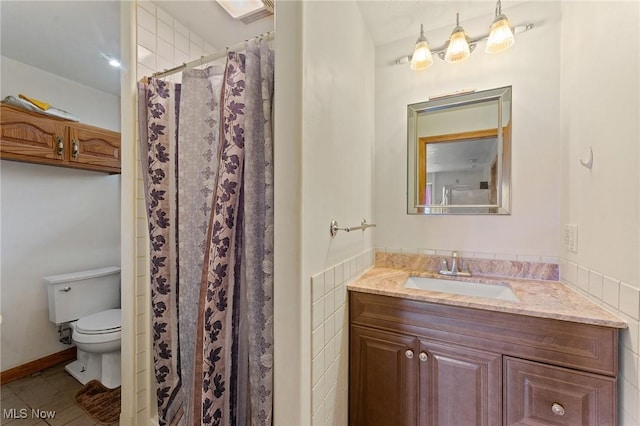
pixel 409 353
pixel 74 148
pixel 423 356
pixel 59 146
pixel 66 289
pixel 557 409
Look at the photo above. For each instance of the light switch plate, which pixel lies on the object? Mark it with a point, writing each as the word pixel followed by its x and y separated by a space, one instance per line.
pixel 571 237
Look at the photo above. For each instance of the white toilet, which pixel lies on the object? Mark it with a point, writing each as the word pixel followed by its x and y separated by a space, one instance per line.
pixel 89 301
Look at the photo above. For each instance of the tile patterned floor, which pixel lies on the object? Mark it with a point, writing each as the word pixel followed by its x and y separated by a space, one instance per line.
pixel 51 391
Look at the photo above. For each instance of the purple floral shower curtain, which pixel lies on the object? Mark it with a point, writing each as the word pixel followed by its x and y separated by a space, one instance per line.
pixel 158 119
pixel 208 172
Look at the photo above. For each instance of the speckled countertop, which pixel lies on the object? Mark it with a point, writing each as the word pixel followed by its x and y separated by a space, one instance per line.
pixel 537 297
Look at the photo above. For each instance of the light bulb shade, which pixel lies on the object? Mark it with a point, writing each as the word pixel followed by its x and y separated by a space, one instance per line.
pixel 458 49
pixel 501 37
pixel 421 58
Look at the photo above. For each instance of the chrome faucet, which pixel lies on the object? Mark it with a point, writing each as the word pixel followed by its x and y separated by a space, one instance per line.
pixel 455 270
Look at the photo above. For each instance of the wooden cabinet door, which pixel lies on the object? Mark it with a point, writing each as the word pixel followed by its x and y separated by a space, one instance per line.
pixel 540 394
pixel 383 378
pixel 459 386
pixel 95 148
pixel 30 137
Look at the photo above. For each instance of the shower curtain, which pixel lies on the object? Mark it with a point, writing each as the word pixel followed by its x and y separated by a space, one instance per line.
pixel 206 149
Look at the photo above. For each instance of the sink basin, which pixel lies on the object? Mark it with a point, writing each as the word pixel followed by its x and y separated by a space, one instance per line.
pixel 490 291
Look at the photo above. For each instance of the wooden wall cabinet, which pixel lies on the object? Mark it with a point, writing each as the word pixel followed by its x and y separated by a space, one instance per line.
pixel 418 363
pixel 34 138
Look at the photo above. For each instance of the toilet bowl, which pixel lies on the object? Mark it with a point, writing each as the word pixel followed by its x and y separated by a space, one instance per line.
pixel 89 301
pixel 97 337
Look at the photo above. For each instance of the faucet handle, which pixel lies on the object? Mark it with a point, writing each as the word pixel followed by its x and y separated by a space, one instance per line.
pixel 444 267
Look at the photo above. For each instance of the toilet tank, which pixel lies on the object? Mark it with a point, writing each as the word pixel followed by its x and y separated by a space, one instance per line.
pixel 77 294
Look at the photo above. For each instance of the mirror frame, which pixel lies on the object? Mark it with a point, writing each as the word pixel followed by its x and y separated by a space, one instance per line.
pixel 503 96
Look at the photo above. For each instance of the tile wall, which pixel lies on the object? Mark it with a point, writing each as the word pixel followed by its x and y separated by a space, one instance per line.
pixel 622 299
pixel 329 342
pixel 162 43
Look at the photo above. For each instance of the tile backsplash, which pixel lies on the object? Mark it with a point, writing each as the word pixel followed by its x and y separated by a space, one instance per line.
pixel 329 341
pixel 535 270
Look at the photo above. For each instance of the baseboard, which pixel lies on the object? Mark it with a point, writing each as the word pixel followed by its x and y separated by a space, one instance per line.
pixel 29 368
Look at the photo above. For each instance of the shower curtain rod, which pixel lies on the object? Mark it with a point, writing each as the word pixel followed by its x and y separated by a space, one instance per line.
pixel 210 58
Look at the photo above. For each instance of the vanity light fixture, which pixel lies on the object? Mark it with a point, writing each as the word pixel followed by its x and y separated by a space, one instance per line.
pixel 421 58
pixel 458 48
pixel 501 37
pixel 460 45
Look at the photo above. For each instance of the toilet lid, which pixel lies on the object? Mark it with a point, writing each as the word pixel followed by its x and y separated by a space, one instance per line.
pixel 106 321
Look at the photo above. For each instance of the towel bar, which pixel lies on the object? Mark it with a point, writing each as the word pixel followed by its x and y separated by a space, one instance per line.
pixel 333 227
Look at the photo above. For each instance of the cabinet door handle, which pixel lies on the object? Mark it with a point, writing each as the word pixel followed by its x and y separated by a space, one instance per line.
pixel 60 146
pixel 423 356
pixel 66 289
pixel 408 353
pixel 74 148
pixel 557 409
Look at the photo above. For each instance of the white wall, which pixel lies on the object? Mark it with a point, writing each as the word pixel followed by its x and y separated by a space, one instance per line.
pixel 90 105
pixel 291 387
pixel 600 106
pixel 337 183
pixel 338 132
pixel 532 67
pixel 54 220
pixel 324 171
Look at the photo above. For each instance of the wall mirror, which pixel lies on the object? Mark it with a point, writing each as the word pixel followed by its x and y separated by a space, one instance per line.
pixel 459 154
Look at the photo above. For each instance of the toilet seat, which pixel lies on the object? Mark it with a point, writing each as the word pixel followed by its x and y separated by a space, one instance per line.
pixel 105 322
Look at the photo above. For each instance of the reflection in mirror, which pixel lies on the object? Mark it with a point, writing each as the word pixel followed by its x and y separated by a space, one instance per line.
pixel 459 152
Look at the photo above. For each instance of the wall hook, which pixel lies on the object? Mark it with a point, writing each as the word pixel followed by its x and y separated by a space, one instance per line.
pixel 589 163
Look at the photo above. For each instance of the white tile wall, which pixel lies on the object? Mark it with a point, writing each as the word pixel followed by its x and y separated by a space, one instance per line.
pixel 330 339
pixel 623 300
pixel 162 43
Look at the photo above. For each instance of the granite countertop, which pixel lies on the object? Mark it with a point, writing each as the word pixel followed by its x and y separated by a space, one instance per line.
pixel 537 298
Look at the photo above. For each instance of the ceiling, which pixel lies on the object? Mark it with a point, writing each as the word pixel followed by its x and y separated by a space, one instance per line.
pixel 464 155
pixel 72 38
pixel 211 22
pixel 67 38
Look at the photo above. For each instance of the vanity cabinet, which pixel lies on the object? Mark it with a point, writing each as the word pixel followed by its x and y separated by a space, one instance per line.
pixel 30 137
pixel 384 374
pixel 542 394
pixel 420 363
pixel 458 386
